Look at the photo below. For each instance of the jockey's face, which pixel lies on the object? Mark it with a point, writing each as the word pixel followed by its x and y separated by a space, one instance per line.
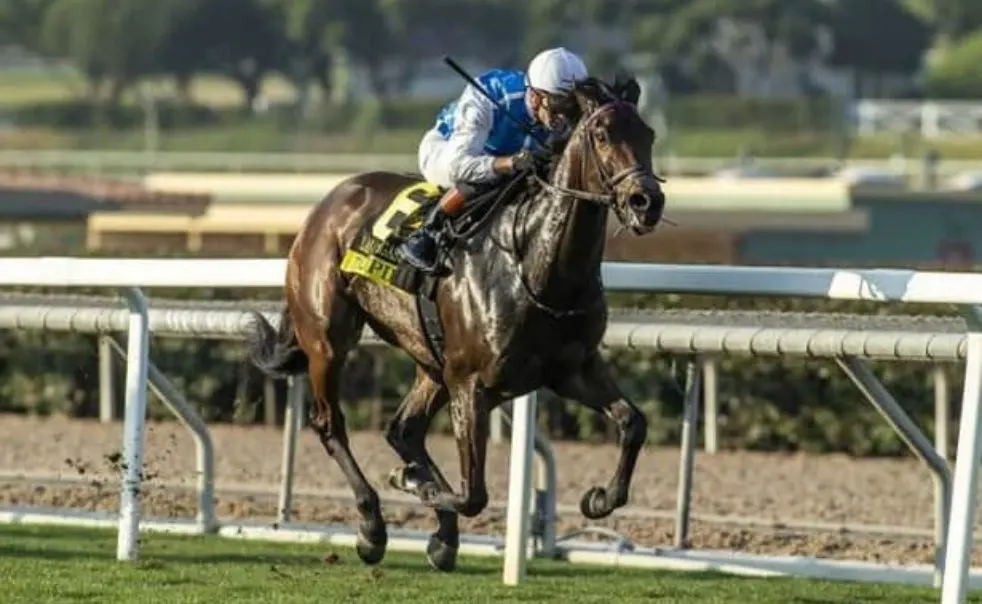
pixel 541 102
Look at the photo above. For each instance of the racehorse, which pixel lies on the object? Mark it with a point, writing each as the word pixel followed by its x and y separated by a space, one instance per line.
pixel 522 308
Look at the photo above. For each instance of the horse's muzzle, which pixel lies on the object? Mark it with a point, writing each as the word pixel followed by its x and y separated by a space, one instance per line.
pixel 646 207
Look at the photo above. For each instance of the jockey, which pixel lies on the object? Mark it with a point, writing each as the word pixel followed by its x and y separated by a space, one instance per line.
pixel 474 143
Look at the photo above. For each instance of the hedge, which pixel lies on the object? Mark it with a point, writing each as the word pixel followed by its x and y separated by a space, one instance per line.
pixel 696 112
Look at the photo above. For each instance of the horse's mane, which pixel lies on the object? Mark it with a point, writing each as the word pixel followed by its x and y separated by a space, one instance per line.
pixel 592 90
pixel 595 89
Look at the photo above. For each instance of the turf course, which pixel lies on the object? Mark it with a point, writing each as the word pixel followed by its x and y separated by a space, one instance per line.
pixel 78 565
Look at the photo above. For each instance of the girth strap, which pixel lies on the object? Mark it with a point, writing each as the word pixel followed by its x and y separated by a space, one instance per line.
pixel 429 317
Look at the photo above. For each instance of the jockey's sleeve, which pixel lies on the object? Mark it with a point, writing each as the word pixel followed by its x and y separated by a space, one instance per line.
pixel 466 159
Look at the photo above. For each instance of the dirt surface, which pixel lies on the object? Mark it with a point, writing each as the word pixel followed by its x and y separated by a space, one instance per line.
pixel 782 488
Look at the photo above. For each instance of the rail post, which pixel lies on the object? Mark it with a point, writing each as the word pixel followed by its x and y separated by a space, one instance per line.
pixel 137 358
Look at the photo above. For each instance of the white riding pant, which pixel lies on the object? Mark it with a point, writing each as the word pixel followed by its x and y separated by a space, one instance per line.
pixel 434 158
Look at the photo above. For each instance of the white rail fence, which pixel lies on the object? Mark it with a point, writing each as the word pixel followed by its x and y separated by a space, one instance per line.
pixel 931 119
pixel 954 537
pixel 711 333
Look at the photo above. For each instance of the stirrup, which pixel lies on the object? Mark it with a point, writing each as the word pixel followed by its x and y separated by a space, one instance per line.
pixel 420 264
pixel 415 259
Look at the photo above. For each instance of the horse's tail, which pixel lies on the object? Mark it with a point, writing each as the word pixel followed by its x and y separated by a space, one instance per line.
pixel 276 353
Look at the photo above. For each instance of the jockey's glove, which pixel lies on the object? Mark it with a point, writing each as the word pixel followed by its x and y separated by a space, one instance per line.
pixel 542 157
pixel 523 161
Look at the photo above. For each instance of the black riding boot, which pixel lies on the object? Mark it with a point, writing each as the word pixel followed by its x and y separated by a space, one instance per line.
pixel 420 249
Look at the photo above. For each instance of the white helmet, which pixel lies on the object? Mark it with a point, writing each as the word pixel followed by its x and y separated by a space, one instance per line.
pixel 555 70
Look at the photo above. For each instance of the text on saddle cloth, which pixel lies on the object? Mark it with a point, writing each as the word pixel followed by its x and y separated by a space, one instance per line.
pixel 374 253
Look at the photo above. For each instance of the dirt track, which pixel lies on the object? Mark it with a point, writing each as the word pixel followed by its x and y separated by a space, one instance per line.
pixel 786 488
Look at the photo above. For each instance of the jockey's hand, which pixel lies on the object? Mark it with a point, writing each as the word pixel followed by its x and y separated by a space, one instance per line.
pixel 522 161
pixel 542 157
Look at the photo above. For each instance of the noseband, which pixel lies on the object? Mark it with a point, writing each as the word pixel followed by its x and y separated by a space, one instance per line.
pixel 609 183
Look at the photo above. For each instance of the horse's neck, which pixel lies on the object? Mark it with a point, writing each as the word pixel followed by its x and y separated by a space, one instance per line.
pixel 565 243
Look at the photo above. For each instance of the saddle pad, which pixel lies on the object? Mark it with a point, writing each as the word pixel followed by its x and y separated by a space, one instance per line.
pixel 374 254
pixel 402 216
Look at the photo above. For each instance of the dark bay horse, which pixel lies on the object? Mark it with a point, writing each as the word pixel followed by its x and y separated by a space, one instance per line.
pixel 523 308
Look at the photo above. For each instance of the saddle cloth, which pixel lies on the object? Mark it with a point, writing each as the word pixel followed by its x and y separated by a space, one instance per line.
pixel 375 255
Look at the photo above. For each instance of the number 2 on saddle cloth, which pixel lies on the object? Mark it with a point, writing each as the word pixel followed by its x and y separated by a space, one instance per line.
pixel 395 218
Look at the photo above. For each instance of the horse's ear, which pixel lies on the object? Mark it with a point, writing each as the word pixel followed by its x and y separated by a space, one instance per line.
pixel 626 87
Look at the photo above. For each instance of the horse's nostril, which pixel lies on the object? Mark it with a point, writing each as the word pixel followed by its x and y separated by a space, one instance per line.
pixel 639 201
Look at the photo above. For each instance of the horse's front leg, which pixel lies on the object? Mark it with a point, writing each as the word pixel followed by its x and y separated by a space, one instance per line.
pixel 406 434
pixel 594 386
pixel 470 406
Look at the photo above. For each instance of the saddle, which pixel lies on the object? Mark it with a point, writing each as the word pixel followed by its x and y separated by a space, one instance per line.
pixel 374 254
pixel 484 199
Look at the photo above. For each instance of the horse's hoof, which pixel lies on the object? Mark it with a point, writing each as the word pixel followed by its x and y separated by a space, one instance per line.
pixel 369 552
pixel 441 556
pixel 594 505
pixel 397 479
pixel 407 478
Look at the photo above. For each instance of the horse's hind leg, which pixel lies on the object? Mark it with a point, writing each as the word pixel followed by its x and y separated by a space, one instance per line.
pixel 594 387
pixel 327 356
pixel 406 434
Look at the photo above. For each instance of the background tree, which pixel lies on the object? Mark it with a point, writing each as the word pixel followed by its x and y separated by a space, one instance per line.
pixel 959 74
pixel 897 48
pixel 312 36
pixel 951 19
pixel 20 22
pixel 494 30
pixel 239 39
pixel 111 42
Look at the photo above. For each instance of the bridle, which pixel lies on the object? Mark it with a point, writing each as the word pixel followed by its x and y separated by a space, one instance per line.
pixel 608 182
pixel 606 199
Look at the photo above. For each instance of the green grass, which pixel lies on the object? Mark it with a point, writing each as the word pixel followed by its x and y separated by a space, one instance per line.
pixel 264 137
pixel 25 88
pixel 19 88
pixel 75 565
